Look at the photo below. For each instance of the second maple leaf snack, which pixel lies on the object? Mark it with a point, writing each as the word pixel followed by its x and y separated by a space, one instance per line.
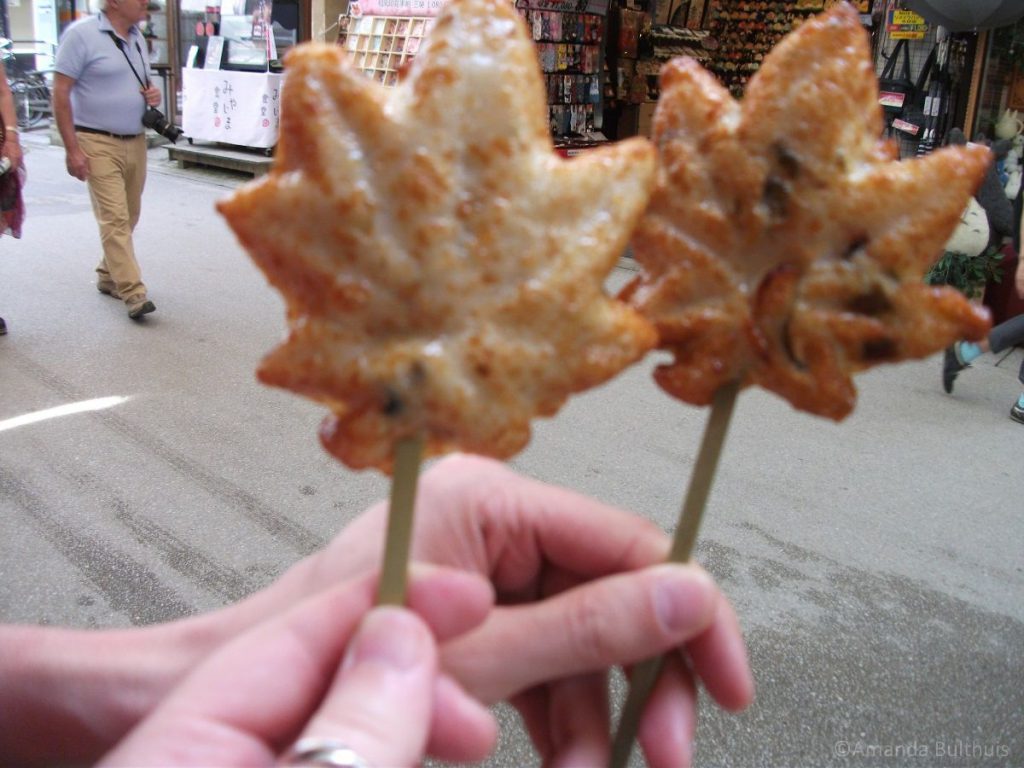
pixel 785 245
pixel 443 268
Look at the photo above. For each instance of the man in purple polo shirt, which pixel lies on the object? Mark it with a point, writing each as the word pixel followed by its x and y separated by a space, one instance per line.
pixel 101 91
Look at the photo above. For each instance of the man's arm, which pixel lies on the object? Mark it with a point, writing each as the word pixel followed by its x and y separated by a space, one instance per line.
pixel 75 159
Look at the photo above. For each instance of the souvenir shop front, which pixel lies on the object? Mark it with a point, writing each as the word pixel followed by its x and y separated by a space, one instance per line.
pixel 944 74
pixel 384 36
pixel 227 67
pixel 947 77
pixel 995 115
pixel 730 38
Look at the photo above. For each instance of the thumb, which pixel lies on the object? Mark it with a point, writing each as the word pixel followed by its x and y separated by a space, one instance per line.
pixel 380 701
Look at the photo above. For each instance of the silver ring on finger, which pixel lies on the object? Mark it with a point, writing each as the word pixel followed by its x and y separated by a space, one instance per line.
pixel 323 752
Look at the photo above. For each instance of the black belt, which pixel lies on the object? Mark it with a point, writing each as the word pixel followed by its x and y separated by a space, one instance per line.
pixel 98 131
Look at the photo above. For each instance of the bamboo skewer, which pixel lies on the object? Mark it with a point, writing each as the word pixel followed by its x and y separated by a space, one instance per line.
pixel 394 574
pixel 645 674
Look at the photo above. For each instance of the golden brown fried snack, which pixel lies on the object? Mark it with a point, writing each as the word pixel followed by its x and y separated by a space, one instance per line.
pixel 443 269
pixel 784 245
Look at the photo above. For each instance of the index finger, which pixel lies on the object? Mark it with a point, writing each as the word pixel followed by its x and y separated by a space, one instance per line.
pixel 525 522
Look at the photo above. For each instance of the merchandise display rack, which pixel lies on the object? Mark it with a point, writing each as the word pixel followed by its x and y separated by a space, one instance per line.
pixel 746 30
pixel 382 46
pixel 570 49
pixel 570 39
pixel 670 42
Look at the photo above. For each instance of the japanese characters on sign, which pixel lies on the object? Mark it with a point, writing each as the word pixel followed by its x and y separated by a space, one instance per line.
pixel 242 108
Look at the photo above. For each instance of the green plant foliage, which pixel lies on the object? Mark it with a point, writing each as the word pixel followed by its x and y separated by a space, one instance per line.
pixel 968 274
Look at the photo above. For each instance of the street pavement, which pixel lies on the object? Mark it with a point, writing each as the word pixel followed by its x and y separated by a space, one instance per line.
pixel 877 565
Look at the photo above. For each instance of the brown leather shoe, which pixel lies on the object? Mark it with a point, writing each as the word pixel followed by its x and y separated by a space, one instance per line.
pixel 107 288
pixel 139 306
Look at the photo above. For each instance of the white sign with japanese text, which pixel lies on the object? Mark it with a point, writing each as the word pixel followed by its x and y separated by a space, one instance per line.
pixel 242 108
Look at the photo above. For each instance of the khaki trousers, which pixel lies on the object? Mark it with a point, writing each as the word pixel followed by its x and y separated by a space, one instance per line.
pixel 117 175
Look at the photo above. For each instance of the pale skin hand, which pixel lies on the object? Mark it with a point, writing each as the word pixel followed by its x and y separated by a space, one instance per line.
pixel 151 95
pixel 536 543
pixel 553 556
pixel 1019 277
pixel 237 708
pixel 572 602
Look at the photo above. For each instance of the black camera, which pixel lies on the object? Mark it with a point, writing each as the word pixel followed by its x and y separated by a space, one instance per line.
pixel 155 119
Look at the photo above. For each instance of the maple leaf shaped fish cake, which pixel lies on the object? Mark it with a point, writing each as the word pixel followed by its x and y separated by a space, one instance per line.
pixel 784 244
pixel 443 268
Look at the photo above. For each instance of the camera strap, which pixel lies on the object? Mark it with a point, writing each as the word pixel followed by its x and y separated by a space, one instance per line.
pixel 120 46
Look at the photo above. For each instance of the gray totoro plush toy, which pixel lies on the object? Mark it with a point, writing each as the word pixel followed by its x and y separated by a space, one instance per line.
pixel 990 195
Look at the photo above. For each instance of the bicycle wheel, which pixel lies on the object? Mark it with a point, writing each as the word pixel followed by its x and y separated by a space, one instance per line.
pixel 19 90
pixel 31 102
pixel 38 104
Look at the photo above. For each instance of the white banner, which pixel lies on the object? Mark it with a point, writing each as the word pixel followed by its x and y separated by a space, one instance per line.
pixel 242 108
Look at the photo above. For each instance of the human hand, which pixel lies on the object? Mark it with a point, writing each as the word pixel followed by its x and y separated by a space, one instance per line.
pixel 327 669
pixel 77 163
pixel 576 596
pixel 151 95
pixel 577 592
pixel 1019 276
pixel 12 149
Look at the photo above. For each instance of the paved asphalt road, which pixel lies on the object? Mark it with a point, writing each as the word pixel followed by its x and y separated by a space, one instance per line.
pixel 877 565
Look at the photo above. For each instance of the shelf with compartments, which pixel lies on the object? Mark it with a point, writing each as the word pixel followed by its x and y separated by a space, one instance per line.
pixel 570 47
pixel 382 46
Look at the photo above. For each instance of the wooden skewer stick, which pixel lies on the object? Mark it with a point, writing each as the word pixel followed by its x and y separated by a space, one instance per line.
pixel 646 672
pixel 394 575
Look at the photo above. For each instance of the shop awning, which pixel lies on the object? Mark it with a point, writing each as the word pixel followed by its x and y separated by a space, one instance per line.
pixel 969 15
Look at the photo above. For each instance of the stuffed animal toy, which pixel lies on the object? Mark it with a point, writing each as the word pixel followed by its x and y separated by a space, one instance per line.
pixel 988 216
pixel 1011 168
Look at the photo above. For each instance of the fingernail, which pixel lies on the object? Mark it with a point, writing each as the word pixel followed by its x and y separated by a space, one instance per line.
pixel 389 636
pixel 683 598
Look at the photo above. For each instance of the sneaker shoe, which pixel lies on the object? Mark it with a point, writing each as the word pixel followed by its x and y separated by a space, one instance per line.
pixel 139 306
pixel 3 327
pixel 1017 413
pixel 107 288
pixel 951 366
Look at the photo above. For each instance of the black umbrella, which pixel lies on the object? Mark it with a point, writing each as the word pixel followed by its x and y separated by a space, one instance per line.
pixel 969 15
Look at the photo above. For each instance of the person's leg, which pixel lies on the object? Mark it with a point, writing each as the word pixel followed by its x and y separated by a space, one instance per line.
pixel 110 202
pixel 1017 409
pixel 1007 334
pixel 959 356
pixel 135 177
pixel 135 181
